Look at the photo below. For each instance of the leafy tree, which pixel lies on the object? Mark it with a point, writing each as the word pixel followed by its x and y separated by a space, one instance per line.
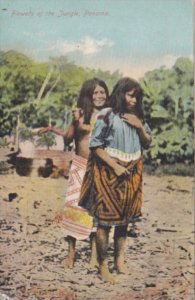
pixel 40 92
pixel 18 87
pixel 46 140
pixel 169 110
pixel 25 134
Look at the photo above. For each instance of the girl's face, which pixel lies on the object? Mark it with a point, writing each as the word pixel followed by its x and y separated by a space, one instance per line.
pixel 130 101
pixel 99 97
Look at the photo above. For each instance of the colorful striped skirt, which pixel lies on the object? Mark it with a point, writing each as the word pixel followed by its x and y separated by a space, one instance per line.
pixel 75 220
pixel 112 200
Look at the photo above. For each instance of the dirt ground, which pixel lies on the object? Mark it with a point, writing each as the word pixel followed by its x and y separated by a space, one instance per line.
pixel 33 248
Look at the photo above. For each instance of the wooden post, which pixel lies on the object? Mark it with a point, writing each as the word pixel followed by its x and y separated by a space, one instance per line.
pixel 17 133
pixel 49 120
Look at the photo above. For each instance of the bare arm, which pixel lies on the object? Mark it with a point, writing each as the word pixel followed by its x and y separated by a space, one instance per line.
pixel 77 115
pixel 144 136
pixel 84 127
pixel 37 132
pixel 68 135
pixel 56 130
pixel 118 169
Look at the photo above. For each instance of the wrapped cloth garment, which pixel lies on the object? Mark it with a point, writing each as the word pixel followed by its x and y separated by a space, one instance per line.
pixel 76 221
pixel 112 200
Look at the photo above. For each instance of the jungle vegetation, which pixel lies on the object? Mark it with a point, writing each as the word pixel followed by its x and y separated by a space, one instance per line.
pixel 42 92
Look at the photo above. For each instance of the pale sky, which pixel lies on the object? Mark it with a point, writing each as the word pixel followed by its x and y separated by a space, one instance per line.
pixel 133 36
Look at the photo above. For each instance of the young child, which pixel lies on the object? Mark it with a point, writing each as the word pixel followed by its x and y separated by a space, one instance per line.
pixel 112 186
pixel 76 222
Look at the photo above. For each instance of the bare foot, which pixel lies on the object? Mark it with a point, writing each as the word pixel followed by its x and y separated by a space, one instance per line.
pixel 68 263
pixel 93 263
pixel 106 275
pixel 122 269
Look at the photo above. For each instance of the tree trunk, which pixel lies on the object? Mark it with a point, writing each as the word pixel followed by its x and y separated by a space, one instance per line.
pixel 47 78
pixel 16 142
pixel 53 86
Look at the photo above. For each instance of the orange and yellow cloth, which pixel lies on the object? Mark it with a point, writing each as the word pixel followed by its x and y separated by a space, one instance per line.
pixel 110 199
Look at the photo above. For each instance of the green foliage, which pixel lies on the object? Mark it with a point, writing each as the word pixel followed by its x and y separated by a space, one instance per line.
pixel 19 85
pixel 41 93
pixel 46 140
pixel 168 104
pixel 4 142
pixel 21 81
pixel 25 134
pixel 171 145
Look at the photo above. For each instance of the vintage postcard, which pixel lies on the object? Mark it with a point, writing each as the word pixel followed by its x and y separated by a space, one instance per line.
pixel 90 90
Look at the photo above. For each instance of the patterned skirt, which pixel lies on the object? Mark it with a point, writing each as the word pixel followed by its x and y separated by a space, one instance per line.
pixel 112 200
pixel 75 220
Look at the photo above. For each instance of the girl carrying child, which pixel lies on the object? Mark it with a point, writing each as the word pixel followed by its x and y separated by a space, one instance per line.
pixel 112 186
